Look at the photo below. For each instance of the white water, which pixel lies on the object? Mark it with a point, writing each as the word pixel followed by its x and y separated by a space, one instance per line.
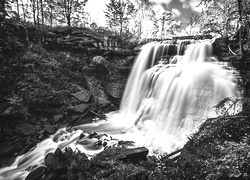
pixel 162 104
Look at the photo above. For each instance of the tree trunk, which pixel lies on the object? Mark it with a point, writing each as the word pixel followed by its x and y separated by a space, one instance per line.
pixel 51 17
pixel 68 20
pixel 37 14
pixel 41 7
pixel 162 27
pixel 3 12
pixel 17 8
pixel 34 11
pixel 241 27
pixel 24 12
pixel 121 26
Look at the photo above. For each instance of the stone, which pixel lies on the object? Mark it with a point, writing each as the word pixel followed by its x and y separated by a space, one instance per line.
pixel 50 128
pixel 36 173
pixel 11 148
pixel 100 97
pixel 50 161
pixel 80 108
pixel 26 129
pixel 57 117
pixel 114 89
pixel 83 95
pixel 108 156
pixel 98 60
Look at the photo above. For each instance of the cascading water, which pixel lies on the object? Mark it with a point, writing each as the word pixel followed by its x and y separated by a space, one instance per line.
pixel 162 104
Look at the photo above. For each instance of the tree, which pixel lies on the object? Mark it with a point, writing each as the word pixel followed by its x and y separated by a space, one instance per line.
pixel 3 12
pixel 118 13
pixel 70 7
pixel 219 16
pixel 41 8
pixel 24 9
pixel 33 6
pixel 37 14
pixel 141 16
pixel 226 17
pixel 17 9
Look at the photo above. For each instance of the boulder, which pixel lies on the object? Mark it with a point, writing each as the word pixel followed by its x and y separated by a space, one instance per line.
pixel 100 97
pixel 114 89
pixel 124 154
pixel 98 60
pixel 80 108
pixel 26 129
pixel 83 95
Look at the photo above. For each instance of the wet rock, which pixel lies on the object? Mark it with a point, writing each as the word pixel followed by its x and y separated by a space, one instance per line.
pixel 58 152
pixel 36 173
pixel 80 108
pixel 10 149
pixel 83 95
pixel 50 161
pixel 7 160
pixel 108 156
pixel 26 129
pixel 56 162
pixel 50 128
pixel 57 117
pixel 114 89
pixel 100 97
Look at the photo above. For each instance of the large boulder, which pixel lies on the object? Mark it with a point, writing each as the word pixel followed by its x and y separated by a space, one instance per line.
pixel 99 95
pixel 115 89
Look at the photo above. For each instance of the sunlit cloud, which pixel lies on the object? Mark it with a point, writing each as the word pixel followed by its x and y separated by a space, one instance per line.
pixel 182 9
pixel 176 12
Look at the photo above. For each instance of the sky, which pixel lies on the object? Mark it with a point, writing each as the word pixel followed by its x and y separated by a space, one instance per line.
pixel 182 9
pixel 96 9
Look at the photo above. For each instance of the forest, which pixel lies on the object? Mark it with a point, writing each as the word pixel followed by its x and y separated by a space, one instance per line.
pixel 79 95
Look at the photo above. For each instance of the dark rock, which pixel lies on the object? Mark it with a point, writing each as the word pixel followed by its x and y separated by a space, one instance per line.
pixel 80 108
pixel 57 117
pixel 7 160
pixel 27 148
pixel 92 135
pixel 83 95
pixel 36 173
pixel 114 89
pixel 220 45
pixel 26 129
pixel 58 153
pixel 82 135
pixel 100 97
pixel 108 156
pixel 50 161
pixel 50 128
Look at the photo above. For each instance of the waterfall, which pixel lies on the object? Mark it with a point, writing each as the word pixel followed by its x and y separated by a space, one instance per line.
pixel 171 100
pixel 165 100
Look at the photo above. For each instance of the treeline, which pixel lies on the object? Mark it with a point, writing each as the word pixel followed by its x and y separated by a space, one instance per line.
pixel 47 12
pixel 135 20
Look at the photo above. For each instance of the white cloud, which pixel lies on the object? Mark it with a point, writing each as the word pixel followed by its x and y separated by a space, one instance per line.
pixel 176 12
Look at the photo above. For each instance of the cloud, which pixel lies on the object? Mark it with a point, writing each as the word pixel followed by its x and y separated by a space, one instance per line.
pixel 176 12
pixel 182 9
